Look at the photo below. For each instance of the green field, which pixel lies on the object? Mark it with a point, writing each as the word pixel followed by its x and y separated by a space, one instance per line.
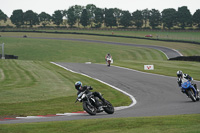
pixel 156 34
pixel 181 35
pixel 32 85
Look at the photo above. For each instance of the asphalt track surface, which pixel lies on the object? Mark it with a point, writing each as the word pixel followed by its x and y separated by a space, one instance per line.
pixel 156 95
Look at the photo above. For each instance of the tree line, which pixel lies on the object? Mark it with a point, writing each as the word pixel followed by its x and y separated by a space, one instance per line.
pixel 94 17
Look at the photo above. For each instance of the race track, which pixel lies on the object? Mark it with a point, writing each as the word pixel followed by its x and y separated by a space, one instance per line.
pixel 156 95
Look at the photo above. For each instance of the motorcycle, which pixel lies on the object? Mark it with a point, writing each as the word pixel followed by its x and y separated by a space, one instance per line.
pixel 109 61
pixel 186 87
pixel 90 103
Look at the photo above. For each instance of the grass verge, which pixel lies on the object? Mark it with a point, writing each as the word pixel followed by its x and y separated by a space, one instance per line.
pixel 158 124
pixel 41 88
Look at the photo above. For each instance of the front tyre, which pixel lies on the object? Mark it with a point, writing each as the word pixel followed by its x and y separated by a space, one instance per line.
pixel 109 62
pixel 191 95
pixel 108 108
pixel 89 109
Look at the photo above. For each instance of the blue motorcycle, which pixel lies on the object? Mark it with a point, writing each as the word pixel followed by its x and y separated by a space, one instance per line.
pixel 190 91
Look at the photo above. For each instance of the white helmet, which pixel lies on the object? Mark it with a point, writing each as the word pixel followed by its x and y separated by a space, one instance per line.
pixel 179 73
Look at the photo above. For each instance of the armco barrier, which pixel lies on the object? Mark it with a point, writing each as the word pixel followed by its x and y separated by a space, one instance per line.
pixel 9 56
pixel 186 58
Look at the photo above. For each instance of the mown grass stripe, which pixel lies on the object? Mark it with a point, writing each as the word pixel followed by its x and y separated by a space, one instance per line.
pixel 2 75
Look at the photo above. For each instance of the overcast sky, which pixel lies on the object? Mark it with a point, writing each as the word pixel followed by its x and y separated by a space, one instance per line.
pixel 49 6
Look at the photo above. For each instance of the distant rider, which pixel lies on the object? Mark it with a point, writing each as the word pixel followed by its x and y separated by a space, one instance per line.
pixel 185 77
pixel 80 88
pixel 108 56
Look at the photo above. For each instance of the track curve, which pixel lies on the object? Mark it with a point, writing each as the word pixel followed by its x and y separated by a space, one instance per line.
pixel 156 95
pixel 169 53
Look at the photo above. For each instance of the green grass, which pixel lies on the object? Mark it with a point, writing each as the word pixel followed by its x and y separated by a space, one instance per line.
pixel 186 49
pixel 158 124
pixel 132 57
pixel 74 51
pixel 40 88
pixel 168 68
pixel 157 34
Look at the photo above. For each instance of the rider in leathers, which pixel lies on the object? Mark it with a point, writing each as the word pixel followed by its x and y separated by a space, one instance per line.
pixel 108 56
pixel 185 77
pixel 80 88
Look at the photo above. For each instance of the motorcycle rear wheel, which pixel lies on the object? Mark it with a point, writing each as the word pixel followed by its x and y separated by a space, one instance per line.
pixel 90 110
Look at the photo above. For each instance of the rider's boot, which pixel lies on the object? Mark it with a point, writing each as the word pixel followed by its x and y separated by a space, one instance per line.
pixel 198 97
pixel 100 108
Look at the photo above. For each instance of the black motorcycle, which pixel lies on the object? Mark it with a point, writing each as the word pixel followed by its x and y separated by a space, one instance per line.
pixel 91 103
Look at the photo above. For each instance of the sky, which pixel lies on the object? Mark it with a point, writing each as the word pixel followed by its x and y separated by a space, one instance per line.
pixel 49 6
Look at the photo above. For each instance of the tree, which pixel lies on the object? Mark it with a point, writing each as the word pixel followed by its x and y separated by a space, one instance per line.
pixel 90 10
pixel 78 12
pixel 169 17
pixel 98 19
pixel 196 18
pixel 71 17
pixel 126 19
pixel 31 18
pixel 57 17
pixel 154 18
pixel 17 18
pixel 110 19
pixel 184 17
pixel 146 15
pixel 137 19
pixel 84 18
pixel 44 18
pixel 117 14
pixel 3 16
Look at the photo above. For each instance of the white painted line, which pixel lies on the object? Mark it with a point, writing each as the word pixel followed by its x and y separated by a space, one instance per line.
pixel 177 52
pixel 163 53
pixel 70 114
pixel 30 117
pixel 21 117
pixel 122 107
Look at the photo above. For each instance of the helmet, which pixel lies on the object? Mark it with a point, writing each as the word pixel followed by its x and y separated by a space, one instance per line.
pixel 78 85
pixel 108 53
pixel 179 73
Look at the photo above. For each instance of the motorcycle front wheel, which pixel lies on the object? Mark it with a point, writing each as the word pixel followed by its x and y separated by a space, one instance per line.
pixel 191 95
pixel 108 108
pixel 89 109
